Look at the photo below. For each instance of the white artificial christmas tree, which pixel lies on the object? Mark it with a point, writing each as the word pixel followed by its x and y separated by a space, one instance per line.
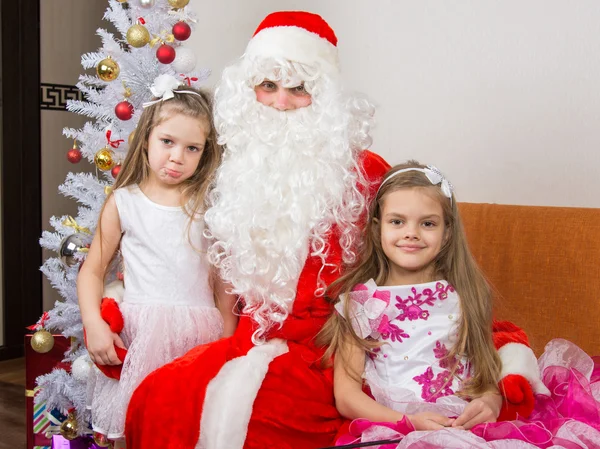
pixel 103 141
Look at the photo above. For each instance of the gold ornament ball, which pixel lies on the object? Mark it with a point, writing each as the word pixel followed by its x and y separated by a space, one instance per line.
pixel 107 190
pixel 138 36
pixel 105 159
pixel 130 138
pixel 68 428
pixel 178 3
pixel 42 341
pixel 108 69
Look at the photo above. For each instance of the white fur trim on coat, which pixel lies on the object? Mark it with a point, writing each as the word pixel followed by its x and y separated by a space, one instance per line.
pixel 230 396
pixel 294 44
pixel 518 358
pixel 114 290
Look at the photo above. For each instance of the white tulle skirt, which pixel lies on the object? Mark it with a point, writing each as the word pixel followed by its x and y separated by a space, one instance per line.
pixel 153 335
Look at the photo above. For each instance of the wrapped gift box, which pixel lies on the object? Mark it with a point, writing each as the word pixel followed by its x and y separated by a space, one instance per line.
pixel 59 442
pixel 37 364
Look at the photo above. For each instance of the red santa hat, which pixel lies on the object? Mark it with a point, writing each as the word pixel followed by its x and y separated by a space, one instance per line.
pixel 297 36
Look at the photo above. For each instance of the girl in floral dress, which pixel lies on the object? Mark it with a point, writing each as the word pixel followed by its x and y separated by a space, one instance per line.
pixel 415 364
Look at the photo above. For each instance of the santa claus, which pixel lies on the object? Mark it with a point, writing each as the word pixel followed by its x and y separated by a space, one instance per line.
pixel 285 215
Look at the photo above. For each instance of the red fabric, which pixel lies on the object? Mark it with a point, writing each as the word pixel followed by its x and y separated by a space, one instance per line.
pixel 506 332
pixel 110 312
pixel 518 397
pixel 516 391
pixel 294 407
pixel 312 23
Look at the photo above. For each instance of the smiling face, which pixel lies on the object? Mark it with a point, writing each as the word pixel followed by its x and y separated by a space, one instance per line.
pixel 275 95
pixel 413 232
pixel 175 147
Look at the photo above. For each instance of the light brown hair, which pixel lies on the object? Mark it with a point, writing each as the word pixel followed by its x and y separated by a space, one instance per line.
pixel 454 263
pixel 136 167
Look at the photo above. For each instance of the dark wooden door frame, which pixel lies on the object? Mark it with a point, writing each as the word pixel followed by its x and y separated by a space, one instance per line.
pixel 21 171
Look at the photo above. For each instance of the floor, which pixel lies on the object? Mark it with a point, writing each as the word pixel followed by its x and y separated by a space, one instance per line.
pixel 12 404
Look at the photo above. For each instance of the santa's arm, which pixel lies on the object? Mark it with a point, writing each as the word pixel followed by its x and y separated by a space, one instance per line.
pixel 520 375
pixel 374 167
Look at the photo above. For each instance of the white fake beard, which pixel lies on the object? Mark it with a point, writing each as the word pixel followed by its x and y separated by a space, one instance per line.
pixel 280 188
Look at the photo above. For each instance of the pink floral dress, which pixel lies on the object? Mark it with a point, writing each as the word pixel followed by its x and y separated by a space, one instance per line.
pixel 418 324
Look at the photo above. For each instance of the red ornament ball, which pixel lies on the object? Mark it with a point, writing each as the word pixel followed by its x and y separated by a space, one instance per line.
pixel 124 110
pixel 165 54
pixel 74 155
pixel 181 31
pixel 115 171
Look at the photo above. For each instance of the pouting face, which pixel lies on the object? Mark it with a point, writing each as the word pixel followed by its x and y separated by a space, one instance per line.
pixel 175 147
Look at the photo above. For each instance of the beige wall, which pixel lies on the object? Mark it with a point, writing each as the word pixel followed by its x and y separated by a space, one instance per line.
pixel 502 95
pixel 67 29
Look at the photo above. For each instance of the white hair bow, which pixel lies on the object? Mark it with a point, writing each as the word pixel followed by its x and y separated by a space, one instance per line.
pixel 434 175
pixel 164 87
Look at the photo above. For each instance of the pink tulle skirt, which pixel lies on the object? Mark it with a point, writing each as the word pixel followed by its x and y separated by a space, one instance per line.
pixel 569 418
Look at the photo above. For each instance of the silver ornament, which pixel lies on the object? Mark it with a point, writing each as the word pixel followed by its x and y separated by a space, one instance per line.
pixel 185 60
pixel 80 369
pixel 147 3
pixel 70 246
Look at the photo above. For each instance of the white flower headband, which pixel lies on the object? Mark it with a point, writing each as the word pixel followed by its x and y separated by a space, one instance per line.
pixel 433 174
pixel 164 87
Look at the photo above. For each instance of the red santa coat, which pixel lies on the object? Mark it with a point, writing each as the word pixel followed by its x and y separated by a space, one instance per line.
pixel 231 394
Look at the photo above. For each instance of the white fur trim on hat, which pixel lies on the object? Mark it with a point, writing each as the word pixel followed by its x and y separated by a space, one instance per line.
pixel 294 44
pixel 230 396
pixel 518 358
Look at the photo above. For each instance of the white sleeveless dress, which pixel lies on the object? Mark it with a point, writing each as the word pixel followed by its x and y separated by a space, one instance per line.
pixel 168 305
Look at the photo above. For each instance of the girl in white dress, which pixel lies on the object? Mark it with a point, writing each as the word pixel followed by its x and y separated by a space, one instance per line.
pixel 172 301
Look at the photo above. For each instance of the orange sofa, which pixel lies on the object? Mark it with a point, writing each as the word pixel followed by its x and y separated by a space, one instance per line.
pixel 544 264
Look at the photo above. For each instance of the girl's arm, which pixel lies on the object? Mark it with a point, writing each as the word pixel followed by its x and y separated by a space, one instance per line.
pixel 226 304
pixel 352 402
pixel 90 285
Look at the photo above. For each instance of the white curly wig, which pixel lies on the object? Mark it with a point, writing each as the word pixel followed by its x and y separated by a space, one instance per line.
pixel 287 178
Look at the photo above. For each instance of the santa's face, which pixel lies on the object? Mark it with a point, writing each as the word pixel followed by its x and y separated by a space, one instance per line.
pixel 283 98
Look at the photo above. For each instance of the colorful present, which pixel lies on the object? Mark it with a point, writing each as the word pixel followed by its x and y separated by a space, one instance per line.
pixel 60 442
pixel 38 418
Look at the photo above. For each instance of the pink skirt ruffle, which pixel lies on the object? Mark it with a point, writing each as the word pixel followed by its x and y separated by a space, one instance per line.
pixel 569 418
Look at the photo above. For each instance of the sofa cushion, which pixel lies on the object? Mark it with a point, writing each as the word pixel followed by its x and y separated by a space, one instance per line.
pixel 544 264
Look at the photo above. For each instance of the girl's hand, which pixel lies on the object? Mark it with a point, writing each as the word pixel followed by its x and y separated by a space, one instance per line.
pixel 483 409
pixel 100 341
pixel 430 421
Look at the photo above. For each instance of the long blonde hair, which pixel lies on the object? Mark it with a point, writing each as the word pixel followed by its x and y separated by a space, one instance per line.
pixel 454 263
pixel 136 167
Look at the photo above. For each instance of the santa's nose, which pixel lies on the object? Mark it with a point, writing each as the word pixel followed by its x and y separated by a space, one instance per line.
pixel 282 100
